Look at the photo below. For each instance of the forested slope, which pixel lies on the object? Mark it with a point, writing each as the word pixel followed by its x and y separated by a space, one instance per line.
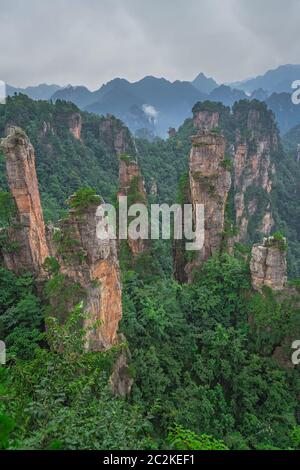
pixel 211 360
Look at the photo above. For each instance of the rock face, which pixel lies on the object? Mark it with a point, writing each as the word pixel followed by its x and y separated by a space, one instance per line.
pixel 116 136
pixel 210 183
pixel 249 154
pixel 129 172
pixel 27 233
pixel 84 259
pixel 93 264
pixel 75 125
pixel 253 173
pixel 268 264
pixel 206 120
pixel 88 266
pixel 131 184
pixel 253 169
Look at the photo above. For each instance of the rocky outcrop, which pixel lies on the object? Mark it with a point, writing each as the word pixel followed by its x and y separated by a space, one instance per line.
pixel 249 155
pixel 121 380
pixel 116 136
pixel 75 125
pixel 93 264
pixel 268 264
pixel 172 132
pixel 129 176
pixel 254 170
pixel 131 184
pixel 206 120
pixel 46 129
pixel 210 183
pixel 26 246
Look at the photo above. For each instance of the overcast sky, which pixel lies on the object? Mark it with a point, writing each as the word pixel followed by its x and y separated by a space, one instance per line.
pixel 92 41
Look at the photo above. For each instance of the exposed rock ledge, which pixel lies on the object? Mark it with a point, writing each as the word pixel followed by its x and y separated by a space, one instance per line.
pixel 268 264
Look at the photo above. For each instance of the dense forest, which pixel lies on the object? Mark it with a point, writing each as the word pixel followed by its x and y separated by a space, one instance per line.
pixel 210 360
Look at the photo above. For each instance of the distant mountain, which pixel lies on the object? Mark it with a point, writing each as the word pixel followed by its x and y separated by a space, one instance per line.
pixel 41 92
pixel 156 104
pixel 204 84
pixel 274 81
pixel 226 95
pixel 10 90
pixel 118 100
pixel 260 94
pixel 291 142
pixel 153 103
pixel 38 92
pixel 79 95
pixel 287 113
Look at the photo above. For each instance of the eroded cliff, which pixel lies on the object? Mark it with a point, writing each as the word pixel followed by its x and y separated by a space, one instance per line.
pixel 91 263
pixel 116 136
pixel 25 247
pixel 89 266
pixel 254 171
pixel 208 184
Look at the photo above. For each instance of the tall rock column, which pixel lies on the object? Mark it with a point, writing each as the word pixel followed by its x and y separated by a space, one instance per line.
pixel 254 169
pixel 131 184
pixel 268 264
pixel 27 233
pixel 209 182
pixel 75 125
pixel 92 264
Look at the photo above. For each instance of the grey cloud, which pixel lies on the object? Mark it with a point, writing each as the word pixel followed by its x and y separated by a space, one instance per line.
pixel 92 41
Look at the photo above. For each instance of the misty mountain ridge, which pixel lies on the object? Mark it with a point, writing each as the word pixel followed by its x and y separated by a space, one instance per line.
pixel 170 102
pixel 152 105
pixel 273 81
pixel 38 92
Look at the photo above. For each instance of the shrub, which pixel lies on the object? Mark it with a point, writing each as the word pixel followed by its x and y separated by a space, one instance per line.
pixel 83 198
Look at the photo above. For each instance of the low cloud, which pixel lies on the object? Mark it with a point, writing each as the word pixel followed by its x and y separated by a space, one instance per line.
pixel 150 111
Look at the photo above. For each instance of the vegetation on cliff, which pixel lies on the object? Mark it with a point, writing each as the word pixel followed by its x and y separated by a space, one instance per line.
pixel 211 360
pixel 197 363
pixel 64 164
